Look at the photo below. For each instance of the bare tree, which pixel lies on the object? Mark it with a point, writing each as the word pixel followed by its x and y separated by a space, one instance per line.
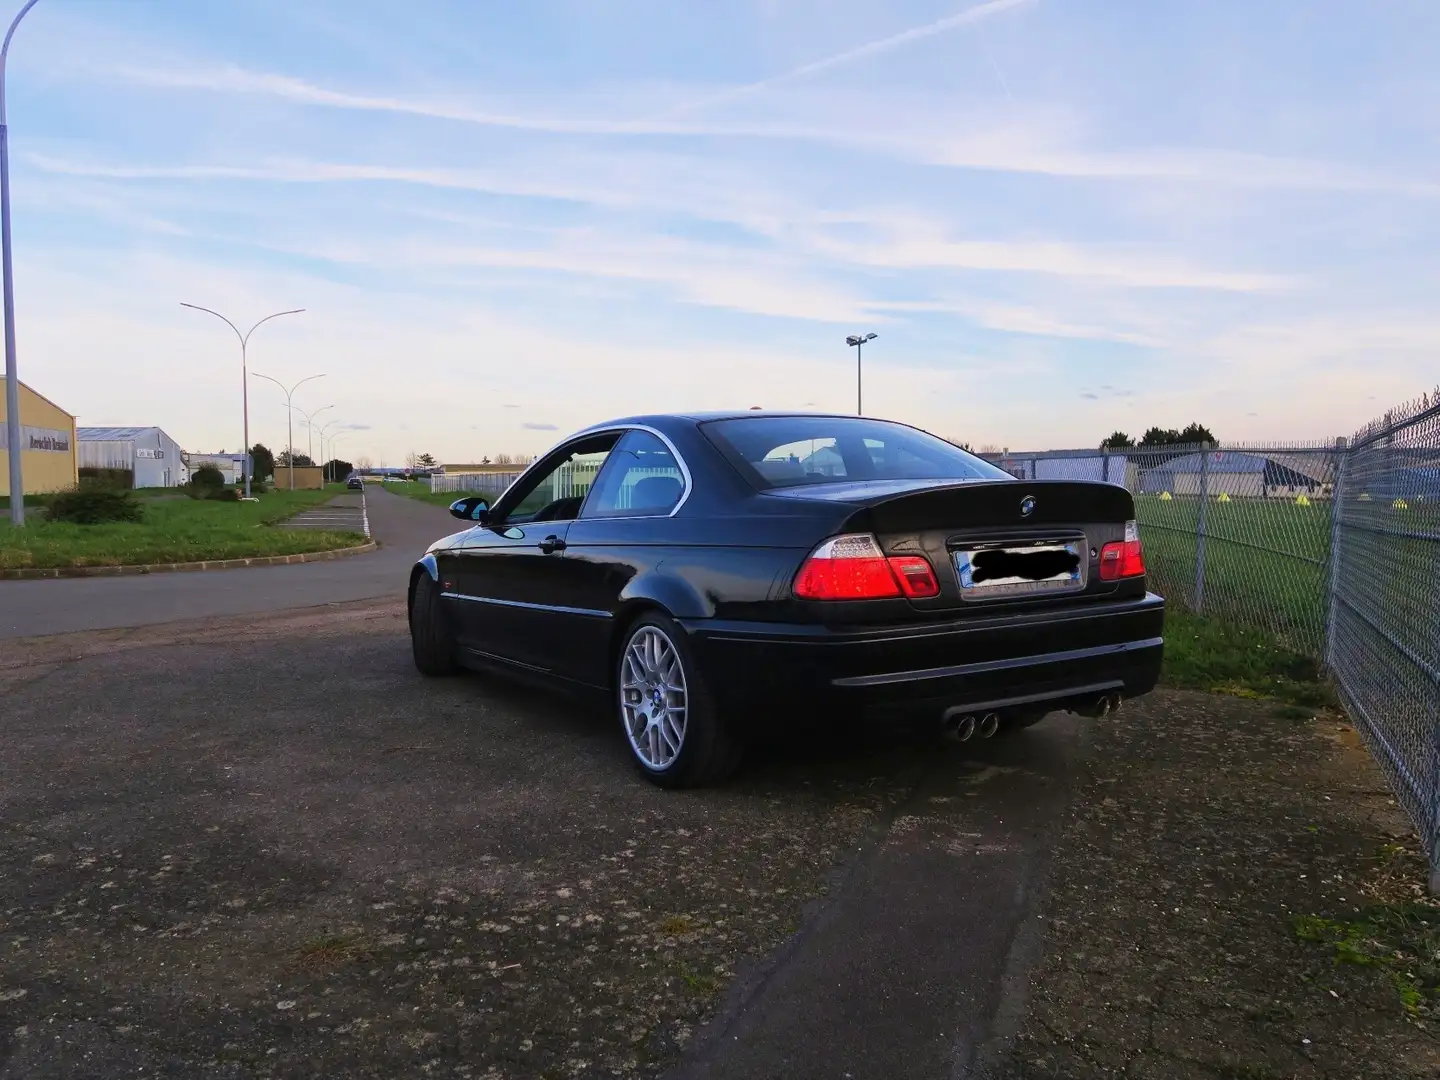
pixel 363 463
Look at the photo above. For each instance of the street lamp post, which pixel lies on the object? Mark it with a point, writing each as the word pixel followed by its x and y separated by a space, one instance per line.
pixel 334 439
pixel 859 340
pixel 310 430
pixel 324 459
pixel 244 373
pixel 12 375
pixel 289 416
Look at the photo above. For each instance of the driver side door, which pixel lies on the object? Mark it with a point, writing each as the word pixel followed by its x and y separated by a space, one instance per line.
pixel 506 579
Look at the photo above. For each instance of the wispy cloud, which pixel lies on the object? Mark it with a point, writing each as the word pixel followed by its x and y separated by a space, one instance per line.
pixel 849 56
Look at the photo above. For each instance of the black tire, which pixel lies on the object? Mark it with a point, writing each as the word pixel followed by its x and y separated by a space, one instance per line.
pixel 709 751
pixel 432 641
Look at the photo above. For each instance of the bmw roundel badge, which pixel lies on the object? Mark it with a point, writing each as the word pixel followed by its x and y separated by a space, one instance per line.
pixel 1027 506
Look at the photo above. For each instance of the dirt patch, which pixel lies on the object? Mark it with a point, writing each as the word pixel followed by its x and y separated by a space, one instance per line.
pixel 1220 858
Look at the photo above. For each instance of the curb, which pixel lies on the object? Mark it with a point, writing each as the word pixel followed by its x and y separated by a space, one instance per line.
pixel 33 573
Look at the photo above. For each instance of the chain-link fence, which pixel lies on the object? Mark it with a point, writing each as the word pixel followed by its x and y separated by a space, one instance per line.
pixel 1240 532
pixel 1383 617
pixel 1333 547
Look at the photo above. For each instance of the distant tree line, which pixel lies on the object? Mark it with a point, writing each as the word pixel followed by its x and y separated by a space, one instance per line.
pixel 1156 438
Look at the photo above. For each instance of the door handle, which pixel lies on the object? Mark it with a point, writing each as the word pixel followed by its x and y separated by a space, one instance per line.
pixel 552 544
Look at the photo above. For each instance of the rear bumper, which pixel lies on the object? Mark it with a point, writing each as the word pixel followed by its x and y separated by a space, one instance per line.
pixel 1034 661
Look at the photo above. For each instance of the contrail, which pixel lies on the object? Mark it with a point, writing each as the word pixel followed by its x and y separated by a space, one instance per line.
pixel 950 22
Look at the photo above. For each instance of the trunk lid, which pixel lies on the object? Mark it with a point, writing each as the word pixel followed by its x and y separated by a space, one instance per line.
pixel 1012 543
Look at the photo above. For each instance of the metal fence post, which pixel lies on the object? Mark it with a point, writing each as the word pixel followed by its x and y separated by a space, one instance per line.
pixel 1332 581
pixel 1200 532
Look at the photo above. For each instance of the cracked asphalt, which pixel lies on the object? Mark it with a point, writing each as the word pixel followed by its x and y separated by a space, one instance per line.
pixel 266 847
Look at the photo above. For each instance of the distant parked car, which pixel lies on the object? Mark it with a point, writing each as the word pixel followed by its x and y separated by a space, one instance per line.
pixel 354 483
pixel 711 573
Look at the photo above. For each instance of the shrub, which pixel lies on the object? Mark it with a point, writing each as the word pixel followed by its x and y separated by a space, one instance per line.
pixel 207 476
pixel 95 505
pixel 225 494
pixel 114 478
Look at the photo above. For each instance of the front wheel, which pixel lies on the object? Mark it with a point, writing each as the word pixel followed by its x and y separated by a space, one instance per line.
pixel 672 724
pixel 432 641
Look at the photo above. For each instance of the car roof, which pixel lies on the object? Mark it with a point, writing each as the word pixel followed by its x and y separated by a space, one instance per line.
pixel 705 417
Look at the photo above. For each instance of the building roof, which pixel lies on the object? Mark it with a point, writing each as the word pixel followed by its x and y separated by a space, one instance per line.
pixel 41 396
pixel 111 434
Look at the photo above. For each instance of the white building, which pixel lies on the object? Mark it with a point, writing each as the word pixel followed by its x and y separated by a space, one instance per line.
pixel 232 466
pixel 155 459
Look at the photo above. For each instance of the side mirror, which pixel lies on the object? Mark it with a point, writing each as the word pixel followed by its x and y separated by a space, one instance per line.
pixel 472 508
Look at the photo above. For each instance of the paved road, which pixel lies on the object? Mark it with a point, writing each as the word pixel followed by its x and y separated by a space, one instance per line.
pixel 402 526
pixel 344 513
pixel 266 847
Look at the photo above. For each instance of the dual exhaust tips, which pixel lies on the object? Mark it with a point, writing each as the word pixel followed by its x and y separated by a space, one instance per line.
pixel 963 726
pixel 1103 706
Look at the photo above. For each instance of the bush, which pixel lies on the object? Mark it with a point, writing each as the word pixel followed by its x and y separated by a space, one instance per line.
pixel 225 494
pixel 95 505
pixel 207 476
pixel 112 478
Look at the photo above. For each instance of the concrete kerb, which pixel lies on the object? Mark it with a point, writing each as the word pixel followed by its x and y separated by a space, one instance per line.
pixel 33 573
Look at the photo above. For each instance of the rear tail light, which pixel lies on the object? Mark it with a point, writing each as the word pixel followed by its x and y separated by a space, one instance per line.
pixel 853 567
pixel 1123 558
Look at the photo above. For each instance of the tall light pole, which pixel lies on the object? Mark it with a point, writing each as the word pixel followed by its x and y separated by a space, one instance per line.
pixel 244 372
pixel 310 429
pixel 289 416
pixel 336 438
pixel 323 429
pixel 12 375
pixel 859 340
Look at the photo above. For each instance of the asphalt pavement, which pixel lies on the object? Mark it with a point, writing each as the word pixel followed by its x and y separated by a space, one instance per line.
pixel 266 847
pixel 344 513
pixel 402 527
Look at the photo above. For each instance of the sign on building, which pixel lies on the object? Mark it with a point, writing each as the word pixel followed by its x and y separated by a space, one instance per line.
pixel 38 438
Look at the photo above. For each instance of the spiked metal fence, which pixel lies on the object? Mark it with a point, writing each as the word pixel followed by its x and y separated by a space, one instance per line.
pixel 1333 547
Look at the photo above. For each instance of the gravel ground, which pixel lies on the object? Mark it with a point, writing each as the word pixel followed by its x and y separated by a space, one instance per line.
pixel 271 849
pixel 1197 835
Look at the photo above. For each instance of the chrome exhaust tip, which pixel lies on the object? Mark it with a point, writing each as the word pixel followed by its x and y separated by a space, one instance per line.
pixel 990 725
pixel 965 728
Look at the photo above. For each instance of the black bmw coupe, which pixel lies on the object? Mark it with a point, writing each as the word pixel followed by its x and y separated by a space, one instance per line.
pixel 710 573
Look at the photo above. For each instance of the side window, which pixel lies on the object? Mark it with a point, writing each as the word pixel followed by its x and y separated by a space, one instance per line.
pixel 640 479
pixel 556 493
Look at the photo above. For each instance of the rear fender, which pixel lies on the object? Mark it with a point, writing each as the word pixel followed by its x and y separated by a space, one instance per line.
pixel 674 596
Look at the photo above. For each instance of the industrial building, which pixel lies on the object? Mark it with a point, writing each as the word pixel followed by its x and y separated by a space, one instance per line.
pixel 232 466
pixel 152 457
pixel 47 438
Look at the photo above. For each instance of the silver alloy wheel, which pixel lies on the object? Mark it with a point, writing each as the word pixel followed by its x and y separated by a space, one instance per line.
pixel 653 699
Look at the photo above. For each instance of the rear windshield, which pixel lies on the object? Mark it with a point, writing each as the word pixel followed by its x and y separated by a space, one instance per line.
pixel 788 451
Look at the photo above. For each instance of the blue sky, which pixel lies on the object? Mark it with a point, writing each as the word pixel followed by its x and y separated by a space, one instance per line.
pixel 1061 217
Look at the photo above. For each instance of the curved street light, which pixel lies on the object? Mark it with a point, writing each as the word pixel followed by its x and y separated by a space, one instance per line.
pixel 12 375
pixel 323 437
pixel 244 372
pixel 309 424
pixel 858 341
pixel 289 416
pixel 336 438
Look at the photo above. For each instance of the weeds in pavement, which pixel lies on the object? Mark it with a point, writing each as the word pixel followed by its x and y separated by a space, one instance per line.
pixel 1399 935
pixel 330 951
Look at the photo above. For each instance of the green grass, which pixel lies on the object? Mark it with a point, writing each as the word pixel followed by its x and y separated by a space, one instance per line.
pixel 1265 561
pixel 1215 655
pixel 174 530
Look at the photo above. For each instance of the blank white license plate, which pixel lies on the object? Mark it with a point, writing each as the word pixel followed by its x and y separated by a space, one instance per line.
pixel 1021 570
